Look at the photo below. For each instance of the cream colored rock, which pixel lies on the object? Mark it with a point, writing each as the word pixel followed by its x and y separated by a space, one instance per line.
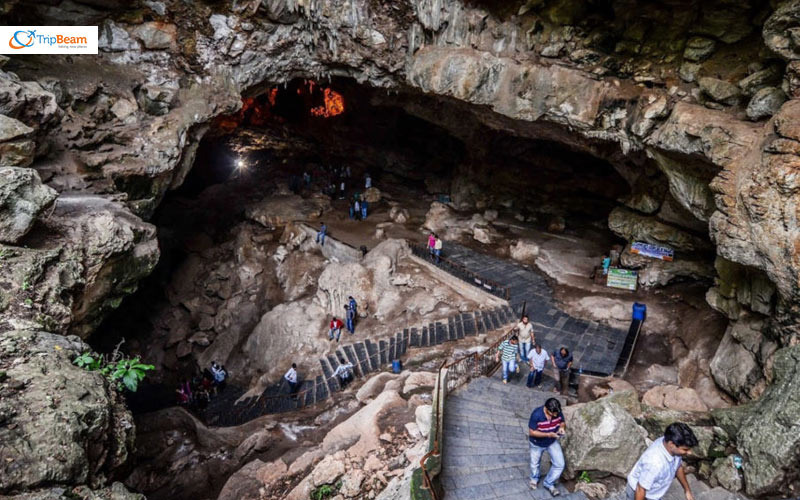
pixel 399 215
pixel 351 483
pixel 674 398
pixel 418 381
pixel 362 427
pixel 374 386
pixel 524 250
pixel 424 416
pixel 328 470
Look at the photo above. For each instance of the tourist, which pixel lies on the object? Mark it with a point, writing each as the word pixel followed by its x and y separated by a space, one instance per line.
pixel 184 393
pixel 351 318
pixel 437 249
pixel 335 329
pixel 508 351
pixel 344 373
pixel 537 362
pixel 347 172
pixel 357 208
pixel 220 374
pixel 291 378
pixel 431 244
pixel 562 362
pixel 307 178
pixel 367 182
pixel 364 209
pixel 652 475
pixel 323 230
pixel 352 211
pixel 526 337
pixel 606 264
pixel 545 427
pixel 341 190
pixel 352 303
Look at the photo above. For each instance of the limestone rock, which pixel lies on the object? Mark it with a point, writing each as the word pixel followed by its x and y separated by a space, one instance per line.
pixel 360 432
pixel 22 199
pixel 699 48
pixel 771 454
pixel 737 363
pixel 156 99
pixel 765 103
pixel 675 398
pixel 156 35
pixel 769 77
pixel 351 483
pixel 634 227
pixel 398 215
pixel 726 474
pixel 419 380
pixel 374 386
pixel 16 144
pixel 424 415
pixel 592 490
pixel 116 491
pixel 720 90
pixel 601 436
pixel 372 195
pixel 779 31
pixel 328 470
pixel 62 425
pixel 524 250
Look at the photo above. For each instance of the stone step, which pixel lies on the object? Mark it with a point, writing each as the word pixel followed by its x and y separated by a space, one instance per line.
pixel 372 353
pixel 361 354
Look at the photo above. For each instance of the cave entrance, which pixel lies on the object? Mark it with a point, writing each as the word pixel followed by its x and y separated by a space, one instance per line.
pixel 505 181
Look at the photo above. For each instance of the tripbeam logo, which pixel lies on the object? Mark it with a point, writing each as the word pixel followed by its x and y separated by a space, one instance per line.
pixel 48 39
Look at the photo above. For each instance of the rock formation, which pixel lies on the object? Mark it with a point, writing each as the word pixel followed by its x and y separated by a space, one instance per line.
pixel 652 92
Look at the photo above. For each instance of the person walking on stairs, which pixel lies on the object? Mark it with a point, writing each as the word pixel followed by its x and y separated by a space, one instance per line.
pixel 508 351
pixel 562 362
pixel 431 243
pixel 526 337
pixel 538 360
pixel 291 378
pixel 437 249
pixel 652 474
pixel 545 427
pixel 335 329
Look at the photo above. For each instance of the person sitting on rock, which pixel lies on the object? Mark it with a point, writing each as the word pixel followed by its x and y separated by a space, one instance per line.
pixel 344 373
pixel 545 427
pixel 652 474
pixel 508 350
pixel 323 230
pixel 335 328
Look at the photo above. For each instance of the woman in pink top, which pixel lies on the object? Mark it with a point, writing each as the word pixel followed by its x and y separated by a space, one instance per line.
pixel 431 243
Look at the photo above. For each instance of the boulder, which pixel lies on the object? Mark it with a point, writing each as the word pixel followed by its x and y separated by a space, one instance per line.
pixel 277 211
pixel 157 99
pixel 419 381
pixel 62 425
pixel 424 416
pixel 726 474
pixel 765 103
pixel 592 490
pixel 328 470
pixel 634 227
pixel 351 483
pixel 737 363
pixel 674 398
pixel 659 374
pixel 398 215
pixel 371 195
pixel 720 91
pixel 524 250
pixel 768 77
pixel 22 198
pixel 16 143
pixel 601 436
pixel 699 48
pixel 374 386
pixel 156 35
pixel 116 491
pixel 772 454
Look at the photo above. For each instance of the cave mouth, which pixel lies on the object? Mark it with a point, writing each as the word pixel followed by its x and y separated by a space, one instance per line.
pixel 418 149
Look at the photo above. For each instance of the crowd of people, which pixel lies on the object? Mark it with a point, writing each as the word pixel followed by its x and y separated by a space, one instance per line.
pixel 198 390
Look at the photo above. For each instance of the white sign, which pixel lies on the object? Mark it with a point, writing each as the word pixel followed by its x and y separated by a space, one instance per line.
pixel 20 40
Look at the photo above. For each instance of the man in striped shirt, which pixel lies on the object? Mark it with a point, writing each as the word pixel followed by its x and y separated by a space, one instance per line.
pixel 509 351
pixel 545 427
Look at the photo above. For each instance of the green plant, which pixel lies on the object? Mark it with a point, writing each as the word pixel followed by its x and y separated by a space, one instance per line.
pixel 326 490
pixel 585 477
pixel 122 372
pixel 26 285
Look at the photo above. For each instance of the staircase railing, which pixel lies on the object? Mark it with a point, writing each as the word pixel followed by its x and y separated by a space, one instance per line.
pixel 449 377
pixel 462 272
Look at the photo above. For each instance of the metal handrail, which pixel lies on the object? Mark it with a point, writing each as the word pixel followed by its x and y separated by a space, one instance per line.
pixel 465 368
pixel 490 285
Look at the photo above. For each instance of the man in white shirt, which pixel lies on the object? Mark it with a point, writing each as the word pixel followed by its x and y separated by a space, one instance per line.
pixel 526 337
pixel 537 360
pixel 652 475
pixel 291 377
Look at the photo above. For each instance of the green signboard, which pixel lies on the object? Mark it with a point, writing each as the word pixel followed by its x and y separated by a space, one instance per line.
pixel 622 278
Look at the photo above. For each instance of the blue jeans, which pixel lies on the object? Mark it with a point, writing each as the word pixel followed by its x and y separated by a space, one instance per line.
pixel 524 349
pixel 350 325
pixel 438 254
pixel 363 212
pixel 337 331
pixel 534 378
pixel 321 236
pixel 509 367
pixel 556 463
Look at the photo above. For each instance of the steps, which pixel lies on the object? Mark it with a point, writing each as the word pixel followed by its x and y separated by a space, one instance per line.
pixel 486 454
